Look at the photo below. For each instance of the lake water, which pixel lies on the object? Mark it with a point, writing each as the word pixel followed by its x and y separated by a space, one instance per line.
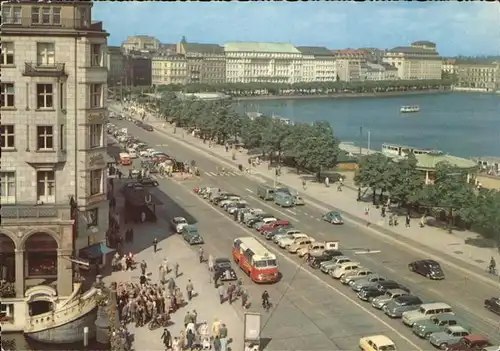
pixel 461 124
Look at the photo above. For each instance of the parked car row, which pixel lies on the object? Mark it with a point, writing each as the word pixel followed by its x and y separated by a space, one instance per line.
pixel 434 321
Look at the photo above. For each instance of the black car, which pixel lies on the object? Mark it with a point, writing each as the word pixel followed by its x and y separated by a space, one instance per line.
pixel 148 182
pixel 281 229
pixel 258 218
pixel 390 284
pixel 493 304
pixel 147 127
pixel 315 262
pixel 138 123
pixel 369 293
pixel 428 268
pixel 222 267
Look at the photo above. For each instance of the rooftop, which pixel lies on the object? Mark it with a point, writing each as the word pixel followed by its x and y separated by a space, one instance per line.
pixel 283 48
pixel 203 48
pixel 424 42
pixel 315 50
pixel 429 161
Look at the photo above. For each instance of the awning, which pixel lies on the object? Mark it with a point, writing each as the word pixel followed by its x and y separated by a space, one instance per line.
pixel 96 251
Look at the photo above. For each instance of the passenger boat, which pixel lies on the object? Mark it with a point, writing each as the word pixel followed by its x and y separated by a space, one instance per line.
pixel 409 109
pixel 394 150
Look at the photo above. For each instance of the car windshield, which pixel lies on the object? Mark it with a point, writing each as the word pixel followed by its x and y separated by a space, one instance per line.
pixel 449 332
pixel 265 263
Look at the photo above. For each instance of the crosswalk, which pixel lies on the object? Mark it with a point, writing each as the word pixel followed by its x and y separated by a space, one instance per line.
pixel 222 174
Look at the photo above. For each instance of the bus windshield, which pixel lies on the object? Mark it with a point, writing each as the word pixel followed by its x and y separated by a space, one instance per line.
pixel 265 263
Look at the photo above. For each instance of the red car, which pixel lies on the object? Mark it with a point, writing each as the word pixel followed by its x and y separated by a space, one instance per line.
pixel 273 225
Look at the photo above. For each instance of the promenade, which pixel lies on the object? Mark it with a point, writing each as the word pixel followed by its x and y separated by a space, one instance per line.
pixel 174 249
pixel 465 246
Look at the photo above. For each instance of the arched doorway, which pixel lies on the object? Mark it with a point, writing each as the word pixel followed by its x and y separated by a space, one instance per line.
pixel 7 266
pixel 40 257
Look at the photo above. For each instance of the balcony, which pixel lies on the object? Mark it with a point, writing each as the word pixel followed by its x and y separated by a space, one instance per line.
pixel 13 214
pixel 33 69
pixel 13 23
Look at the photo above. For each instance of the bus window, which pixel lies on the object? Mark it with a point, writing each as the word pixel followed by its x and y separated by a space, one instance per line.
pixel 259 264
pixel 271 263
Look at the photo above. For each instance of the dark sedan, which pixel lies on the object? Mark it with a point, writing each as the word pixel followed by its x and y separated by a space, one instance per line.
pixel 270 235
pixel 369 293
pixel 222 267
pixel 148 127
pixel 150 182
pixel 428 268
pixel 493 304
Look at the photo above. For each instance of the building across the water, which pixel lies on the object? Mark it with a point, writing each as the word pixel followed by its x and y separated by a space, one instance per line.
pixel 416 62
pixel 54 172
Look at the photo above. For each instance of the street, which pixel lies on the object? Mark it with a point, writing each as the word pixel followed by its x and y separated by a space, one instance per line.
pixel 464 294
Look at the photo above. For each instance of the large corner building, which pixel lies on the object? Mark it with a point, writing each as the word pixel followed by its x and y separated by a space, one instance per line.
pixel 53 166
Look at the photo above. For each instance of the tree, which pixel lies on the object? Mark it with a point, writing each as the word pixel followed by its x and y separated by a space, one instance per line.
pixel 404 182
pixel 274 135
pixel 323 148
pixel 485 214
pixel 296 144
pixel 253 132
pixel 374 172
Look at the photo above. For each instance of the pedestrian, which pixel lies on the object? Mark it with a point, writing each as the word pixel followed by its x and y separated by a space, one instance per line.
pixel 143 267
pixel 223 337
pixel 131 235
pixel 407 220
pixel 210 263
pixel 123 262
pixel 194 317
pixel 176 269
pixel 244 298
pixel 217 344
pixel 327 182
pixel 155 244
pixel 164 264
pixel 221 291
pixel 200 253
pixel 167 338
pixel 189 289
pixel 230 292
pixel 304 185
pixel 187 319
pixel 143 217
pixel 215 327
pixel 129 174
pixel 190 339
pixel 176 344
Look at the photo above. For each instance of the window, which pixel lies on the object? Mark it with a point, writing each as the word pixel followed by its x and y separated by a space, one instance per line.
pixel 46 186
pixel 46 15
pixel 95 95
pixel 7 53
pixel 44 96
pixel 45 135
pixel 7 95
pixel 95 135
pixel 61 137
pixel 11 14
pixel 96 182
pixel 7 136
pixel 96 55
pixel 7 187
pixel 56 15
pixel 62 95
pixel 91 217
pixel 35 15
pixel 45 54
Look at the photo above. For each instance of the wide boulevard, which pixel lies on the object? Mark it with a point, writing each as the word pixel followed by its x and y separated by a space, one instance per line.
pixel 312 311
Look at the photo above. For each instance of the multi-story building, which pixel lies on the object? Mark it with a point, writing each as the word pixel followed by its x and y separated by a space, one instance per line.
pixel 169 69
pixel 449 66
pixel 416 62
pixel 115 63
pixel 262 63
pixel 206 63
pixel 137 69
pixel 349 64
pixel 141 43
pixel 318 64
pixel 382 71
pixel 53 170
pixel 478 74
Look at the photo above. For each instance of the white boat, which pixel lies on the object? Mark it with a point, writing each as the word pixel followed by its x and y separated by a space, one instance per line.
pixel 409 109
pixel 395 150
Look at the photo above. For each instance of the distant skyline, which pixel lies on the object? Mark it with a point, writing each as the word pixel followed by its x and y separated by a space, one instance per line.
pixel 457 28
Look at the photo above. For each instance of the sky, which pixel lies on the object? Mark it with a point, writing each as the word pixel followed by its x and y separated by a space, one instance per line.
pixel 457 28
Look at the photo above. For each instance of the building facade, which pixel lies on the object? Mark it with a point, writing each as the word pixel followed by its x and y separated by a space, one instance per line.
pixel 382 71
pixel 53 171
pixel 420 61
pixel 449 66
pixel 206 63
pixel 137 69
pixel 115 63
pixel 262 63
pixel 141 43
pixel 477 74
pixel 318 64
pixel 169 69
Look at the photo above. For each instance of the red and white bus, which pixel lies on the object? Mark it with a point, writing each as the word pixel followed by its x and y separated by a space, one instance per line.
pixel 255 260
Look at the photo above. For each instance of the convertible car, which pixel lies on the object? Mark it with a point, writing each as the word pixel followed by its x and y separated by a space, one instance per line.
pixel 226 271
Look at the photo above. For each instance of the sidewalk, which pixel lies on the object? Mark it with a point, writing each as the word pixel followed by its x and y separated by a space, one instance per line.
pixel 205 300
pixel 454 245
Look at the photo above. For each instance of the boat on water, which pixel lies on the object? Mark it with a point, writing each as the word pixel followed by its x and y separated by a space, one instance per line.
pixel 409 109
pixel 395 150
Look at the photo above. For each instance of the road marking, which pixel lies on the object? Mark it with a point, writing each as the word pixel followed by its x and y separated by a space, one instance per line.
pixel 367 252
pixel 250 191
pixel 274 208
pixel 322 282
pixel 392 270
pixel 291 212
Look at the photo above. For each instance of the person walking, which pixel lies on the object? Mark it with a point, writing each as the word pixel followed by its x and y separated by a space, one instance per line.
pixel 190 339
pixel 223 337
pixel 215 328
pixel 407 220
pixel 155 245
pixel 189 289
pixel 230 291
pixel 217 344
pixel 200 254
pixel 167 338
pixel 176 269
pixel 221 291
pixel 143 267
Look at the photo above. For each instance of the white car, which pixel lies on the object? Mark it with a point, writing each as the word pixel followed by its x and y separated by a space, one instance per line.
pixel 278 237
pixel 178 223
pixel 147 153
pixel 229 200
pixel 343 269
pixel 290 239
pixel 263 222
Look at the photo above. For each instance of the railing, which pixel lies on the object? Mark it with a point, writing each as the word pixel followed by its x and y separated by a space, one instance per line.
pixel 34 211
pixel 36 69
pixel 12 22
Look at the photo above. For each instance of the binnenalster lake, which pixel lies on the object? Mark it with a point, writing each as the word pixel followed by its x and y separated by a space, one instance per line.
pixel 461 124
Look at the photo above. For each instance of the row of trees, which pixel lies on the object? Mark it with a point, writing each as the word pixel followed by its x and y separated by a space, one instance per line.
pixel 302 88
pixel 450 193
pixel 310 146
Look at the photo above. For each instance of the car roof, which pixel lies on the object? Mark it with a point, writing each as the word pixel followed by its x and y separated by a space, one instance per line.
pixel 445 317
pixel 408 298
pixel 380 340
pixel 456 328
pixel 190 226
pixel 222 259
pixel 432 262
pixel 476 337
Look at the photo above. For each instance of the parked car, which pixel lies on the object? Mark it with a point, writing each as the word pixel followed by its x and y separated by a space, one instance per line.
pixel 178 223
pixel 428 268
pixel 493 304
pixel 358 274
pixel 437 323
pixel 191 235
pixel 369 281
pixel 299 244
pixel 376 343
pixel 398 306
pixel 283 232
pixel 369 293
pixel 329 265
pixel 288 240
pixel 451 335
pixel 298 200
pixel 315 262
pixel 278 232
pixel 271 226
pixel 342 269
pixel 223 266
pixel 391 284
pixel 147 127
pixel 425 311
pixel 470 342
pixel 391 294
pixel 333 217
pixel 148 182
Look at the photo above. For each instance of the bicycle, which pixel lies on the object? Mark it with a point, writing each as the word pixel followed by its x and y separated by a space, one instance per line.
pixel 491 270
